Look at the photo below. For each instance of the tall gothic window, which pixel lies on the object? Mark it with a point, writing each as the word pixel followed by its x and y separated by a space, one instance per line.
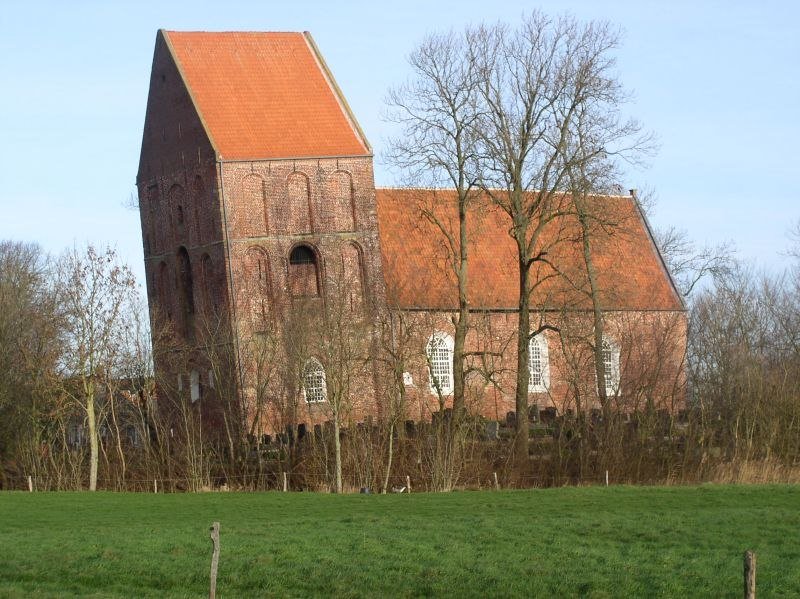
pixel 539 364
pixel 314 388
pixel 440 363
pixel 610 353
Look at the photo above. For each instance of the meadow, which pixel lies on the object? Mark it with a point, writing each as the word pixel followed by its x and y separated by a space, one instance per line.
pixel 587 542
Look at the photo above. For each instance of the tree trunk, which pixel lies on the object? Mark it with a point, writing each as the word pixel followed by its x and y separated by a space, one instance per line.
pixel 462 324
pixel 337 444
pixel 389 459
pixel 523 378
pixel 94 450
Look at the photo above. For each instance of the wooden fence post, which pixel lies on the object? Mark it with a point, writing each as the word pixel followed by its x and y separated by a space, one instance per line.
pixel 496 482
pixel 155 486
pixel 749 575
pixel 30 484
pixel 606 477
pixel 285 483
pixel 408 483
pixel 212 593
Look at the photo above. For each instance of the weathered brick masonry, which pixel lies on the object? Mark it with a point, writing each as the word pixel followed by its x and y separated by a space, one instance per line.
pixel 256 189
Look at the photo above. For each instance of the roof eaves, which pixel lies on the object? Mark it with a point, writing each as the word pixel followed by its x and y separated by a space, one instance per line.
pixel 165 34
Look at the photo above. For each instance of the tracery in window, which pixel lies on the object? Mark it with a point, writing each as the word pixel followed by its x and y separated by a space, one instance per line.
pixel 440 363
pixel 610 354
pixel 538 364
pixel 314 389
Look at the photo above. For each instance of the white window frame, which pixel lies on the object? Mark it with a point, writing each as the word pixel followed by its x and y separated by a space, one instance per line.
pixel 319 395
pixel 539 341
pixel 611 366
pixel 447 341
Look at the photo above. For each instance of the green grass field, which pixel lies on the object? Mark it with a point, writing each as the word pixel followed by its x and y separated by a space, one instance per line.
pixel 591 542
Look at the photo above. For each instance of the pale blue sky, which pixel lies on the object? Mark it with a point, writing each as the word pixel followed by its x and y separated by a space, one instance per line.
pixel 718 82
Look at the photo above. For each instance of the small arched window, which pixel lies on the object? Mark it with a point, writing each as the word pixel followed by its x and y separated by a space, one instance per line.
pixel 303 272
pixel 610 354
pixel 439 352
pixel 539 364
pixel 314 389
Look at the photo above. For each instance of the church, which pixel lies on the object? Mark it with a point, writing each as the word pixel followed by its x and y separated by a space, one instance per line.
pixel 258 208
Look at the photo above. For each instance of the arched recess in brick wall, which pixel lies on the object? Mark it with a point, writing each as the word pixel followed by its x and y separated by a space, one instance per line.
pixel 209 288
pixel 352 273
pixel 297 209
pixel 185 285
pixel 339 201
pixel 198 204
pixel 255 202
pixel 177 220
pixel 258 284
pixel 153 218
pixel 303 275
pixel 162 292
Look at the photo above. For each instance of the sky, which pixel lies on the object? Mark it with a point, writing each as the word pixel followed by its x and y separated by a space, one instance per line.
pixel 717 82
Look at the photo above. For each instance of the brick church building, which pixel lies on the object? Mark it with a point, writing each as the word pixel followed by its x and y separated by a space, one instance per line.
pixel 258 204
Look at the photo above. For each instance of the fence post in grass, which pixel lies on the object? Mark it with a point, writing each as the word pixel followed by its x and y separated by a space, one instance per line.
pixel 30 484
pixel 606 477
pixel 408 483
pixel 496 482
pixel 285 483
pixel 749 575
pixel 155 486
pixel 212 593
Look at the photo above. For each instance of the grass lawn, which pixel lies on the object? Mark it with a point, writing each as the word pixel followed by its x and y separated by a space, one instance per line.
pixel 589 542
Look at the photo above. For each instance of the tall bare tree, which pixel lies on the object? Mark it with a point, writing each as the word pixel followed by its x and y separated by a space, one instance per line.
pixel 438 110
pixel 544 84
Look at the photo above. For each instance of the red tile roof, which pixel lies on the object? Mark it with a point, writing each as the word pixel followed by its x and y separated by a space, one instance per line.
pixel 631 275
pixel 265 95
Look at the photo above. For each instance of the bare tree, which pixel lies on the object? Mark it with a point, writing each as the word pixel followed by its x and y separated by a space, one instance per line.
pixel 545 84
pixel 690 263
pixel 438 111
pixel 96 292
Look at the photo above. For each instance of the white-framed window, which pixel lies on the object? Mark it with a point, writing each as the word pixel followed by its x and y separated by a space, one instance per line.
pixel 440 363
pixel 314 389
pixel 538 364
pixel 194 385
pixel 610 353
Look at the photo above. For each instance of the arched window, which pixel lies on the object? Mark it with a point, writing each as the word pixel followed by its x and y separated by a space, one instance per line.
pixel 538 364
pixel 314 389
pixel 440 363
pixel 303 272
pixel 610 353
